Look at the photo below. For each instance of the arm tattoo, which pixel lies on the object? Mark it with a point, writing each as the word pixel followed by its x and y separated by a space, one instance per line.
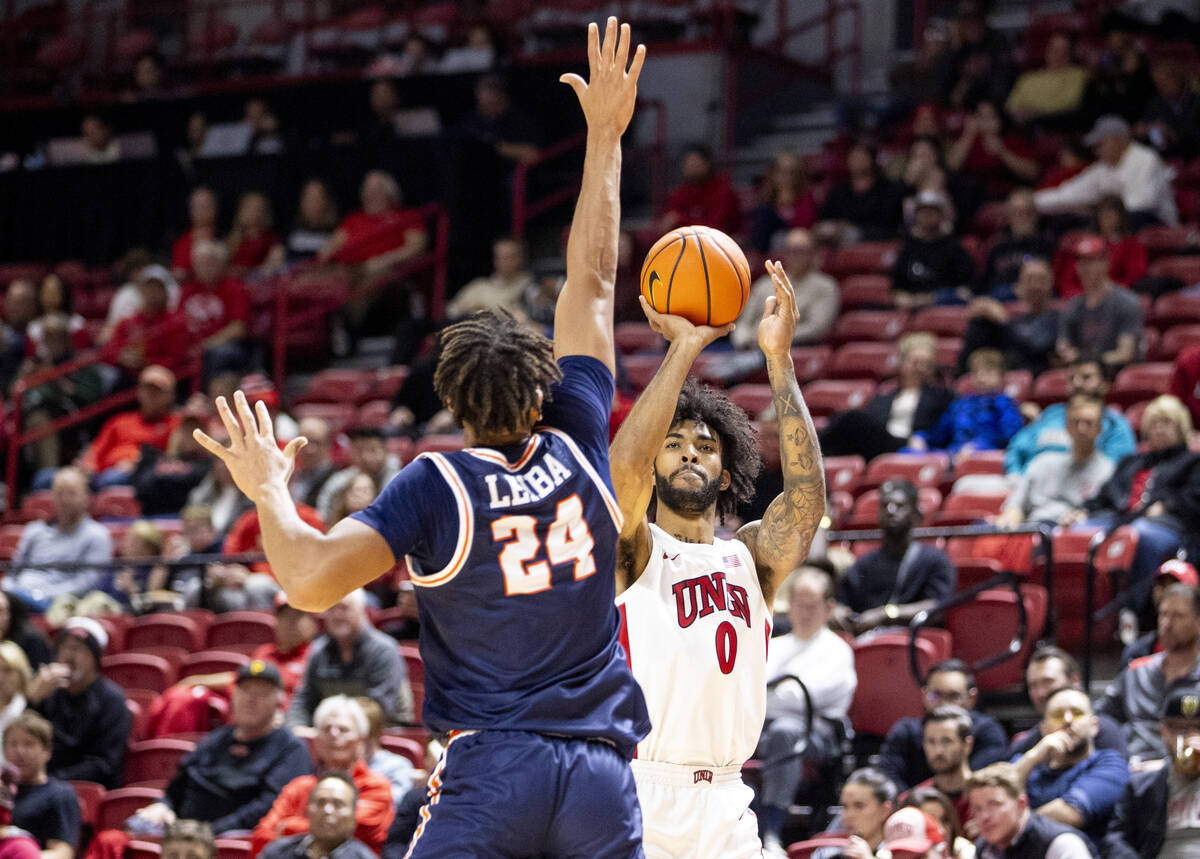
pixel 791 520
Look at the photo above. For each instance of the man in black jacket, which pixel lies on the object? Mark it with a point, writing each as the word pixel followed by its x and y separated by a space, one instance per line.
pixel 1159 812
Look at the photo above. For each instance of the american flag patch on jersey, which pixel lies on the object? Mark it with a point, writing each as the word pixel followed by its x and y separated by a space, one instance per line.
pixel 732 561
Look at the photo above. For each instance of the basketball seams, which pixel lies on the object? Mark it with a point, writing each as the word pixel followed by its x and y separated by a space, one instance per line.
pixel 707 282
pixel 647 267
pixel 736 270
pixel 674 268
pixel 690 265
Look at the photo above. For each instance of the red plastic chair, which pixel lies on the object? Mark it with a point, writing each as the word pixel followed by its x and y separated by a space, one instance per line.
pixel 866 325
pixel 339 416
pixel 118 805
pixel 406 746
pixel 862 258
pixel 941 321
pixel 374 413
pixel 1186 268
pixel 1174 340
pixel 864 361
pixel 1050 387
pixel 921 469
pixel 1175 308
pixel 842 473
pixel 964 508
pixel 866 292
pixel 866 509
pixel 39 505
pixel 233 848
pixel 824 397
pixel 1134 415
pixel 631 337
pixel 90 795
pixel 752 399
pixel 403 447
pixel 10 536
pixel 810 362
pixel 886 689
pixel 1140 382
pixel 239 630
pixel 389 381
pixel 164 629
pixel 118 502
pixel 985 626
pixel 1163 240
pixel 1070 580
pixel 154 761
pixel 438 444
pixel 138 671
pixel 213 662
pixel 979 462
pixel 339 386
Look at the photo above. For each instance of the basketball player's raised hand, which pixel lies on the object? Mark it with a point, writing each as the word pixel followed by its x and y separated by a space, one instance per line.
pixel 780 315
pixel 253 457
pixel 677 329
pixel 608 96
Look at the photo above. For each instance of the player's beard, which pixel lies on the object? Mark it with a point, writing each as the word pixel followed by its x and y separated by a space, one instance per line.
pixel 683 500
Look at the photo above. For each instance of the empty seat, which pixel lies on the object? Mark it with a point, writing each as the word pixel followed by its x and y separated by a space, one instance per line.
pixel 631 337
pixel 1176 307
pixel 866 509
pixel 843 472
pixel 965 508
pixel 867 325
pixel 374 413
pixel 824 397
pixel 1174 340
pixel 154 760
pixel 38 505
pixel 10 536
pixel 164 629
pixel 942 321
pixel 862 258
pixel 753 399
pixel 866 292
pixel 118 805
pixel 1140 382
pixel 868 360
pixel 138 671
pixel 1049 387
pixel 233 848
pixel 116 502
pixel 1070 580
pixel 887 690
pixel 921 469
pixel 979 462
pixel 986 626
pixel 212 662
pixel 239 630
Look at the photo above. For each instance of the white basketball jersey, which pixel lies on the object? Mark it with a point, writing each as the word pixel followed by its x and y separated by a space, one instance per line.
pixel 695 626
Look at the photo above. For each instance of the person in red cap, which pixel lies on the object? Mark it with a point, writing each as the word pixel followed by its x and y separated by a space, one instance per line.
pixel 1172 572
pixel 1106 319
pixel 910 833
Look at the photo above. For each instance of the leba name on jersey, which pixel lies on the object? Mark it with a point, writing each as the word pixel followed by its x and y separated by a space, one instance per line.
pixel 701 596
pixel 536 483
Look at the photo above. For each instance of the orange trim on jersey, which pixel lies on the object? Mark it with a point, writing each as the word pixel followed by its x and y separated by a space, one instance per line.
pixel 488 455
pixel 623 636
pixel 613 509
pixel 466 527
pixel 435 791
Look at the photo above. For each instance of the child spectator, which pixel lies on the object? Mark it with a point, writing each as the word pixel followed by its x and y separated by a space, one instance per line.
pixel 984 420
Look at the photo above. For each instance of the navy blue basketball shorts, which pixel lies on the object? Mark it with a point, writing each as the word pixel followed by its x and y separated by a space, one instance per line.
pixel 509 794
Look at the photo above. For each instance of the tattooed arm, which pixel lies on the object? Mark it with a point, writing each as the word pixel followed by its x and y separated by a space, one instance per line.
pixel 780 540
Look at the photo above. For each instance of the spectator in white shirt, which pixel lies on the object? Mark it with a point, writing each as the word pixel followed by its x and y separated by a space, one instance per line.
pixel 1130 170
pixel 824 663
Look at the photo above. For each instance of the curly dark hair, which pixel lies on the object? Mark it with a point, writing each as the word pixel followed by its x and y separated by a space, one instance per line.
pixel 739 447
pixel 491 370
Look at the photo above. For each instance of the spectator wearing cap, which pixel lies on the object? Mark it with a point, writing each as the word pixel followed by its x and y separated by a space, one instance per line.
pixel 949 682
pixel 1007 826
pixel 1158 814
pixel 1056 89
pixel 188 839
pixel 1106 320
pixel 932 266
pixel 353 658
pixel 1027 338
pixel 1135 698
pixel 1128 258
pixel 237 770
pixel 45 807
pixel 1131 170
pixel 330 812
pixel 88 712
pixel 339 746
pixel 398 769
pixel 1052 668
pixel 368 453
pixel 216 308
pixel 1066 777
pixel 72 537
pixel 202 226
pixel 154 333
pixel 113 456
pixel 704 197
pixel 910 833
pixel 1172 572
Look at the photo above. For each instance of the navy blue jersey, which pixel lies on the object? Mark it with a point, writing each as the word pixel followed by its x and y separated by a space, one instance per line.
pixel 512 553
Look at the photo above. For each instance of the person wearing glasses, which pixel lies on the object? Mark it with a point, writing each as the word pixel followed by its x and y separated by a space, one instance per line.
pixel 1068 779
pixel 949 682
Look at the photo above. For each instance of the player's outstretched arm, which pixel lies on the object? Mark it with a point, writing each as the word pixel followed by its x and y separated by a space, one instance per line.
pixel 314 569
pixel 583 318
pixel 780 540
pixel 637 443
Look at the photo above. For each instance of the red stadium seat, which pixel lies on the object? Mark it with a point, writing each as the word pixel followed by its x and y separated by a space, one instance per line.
pixel 138 671
pixel 1070 575
pixel 1186 268
pixel 985 626
pixel 966 507
pixel 118 805
pixel 805 849
pixel 866 509
pixel 339 416
pixel 942 321
pixel 752 399
pixel 143 850
pixel 867 325
pixel 39 505
pixel 10 536
pixel 1017 385
pixel 1161 240
pixel 922 469
pixel 1050 387
pixel 842 503
pixel 212 662
pixel 374 413
pixel 886 689
pixel 826 397
pixel 439 444
pixel 1140 382
pixel 164 629
pixel 239 630
pixel 866 292
pixel 862 258
pixel 118 502
pixel 979 462
pixel 233 848
pixel 810 362
pixel 154 761
pixel 842 473
pixel 406 746
pixel 864 361
pixel 416 675
pixel 1175 308
pixel 1174 340
pixel 403 447
pixel 632 337
pixel 1134 413
pixel 388 381
pixel 641 369
pixel 90 795
pixel 947 350
pixel 339 386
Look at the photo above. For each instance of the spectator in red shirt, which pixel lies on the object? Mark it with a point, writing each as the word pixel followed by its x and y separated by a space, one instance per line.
pixel 252 238
pixel 238 587
pixel 989 153
pixel 787 202
pixel 202 215
pixel 153 335
pixel 1185 380
pixel 112 457
pixel 1127 258
pixel 705 196
pixel 216 308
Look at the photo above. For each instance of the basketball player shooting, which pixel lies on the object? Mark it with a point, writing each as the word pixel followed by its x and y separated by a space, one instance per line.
pixel 695 609
pixel 510 544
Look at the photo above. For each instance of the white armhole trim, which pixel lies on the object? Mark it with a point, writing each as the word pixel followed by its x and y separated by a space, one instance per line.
pixel 609 501
pixel 466 528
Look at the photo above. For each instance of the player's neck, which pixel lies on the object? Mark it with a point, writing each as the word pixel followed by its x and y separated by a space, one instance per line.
pixel 470 439
pixel 687 529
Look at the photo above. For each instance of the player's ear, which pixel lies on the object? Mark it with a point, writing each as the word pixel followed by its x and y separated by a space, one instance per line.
pixel 726 479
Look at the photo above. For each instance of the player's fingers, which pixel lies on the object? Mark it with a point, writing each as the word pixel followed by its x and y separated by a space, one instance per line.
pixel 593 46
pixel 639 57
pixel 293 447
pixel 249 424
pixel 231 423
pixel 622 59
pixel 210 444
pixel 574 81
pixel 725 330
pixel 650 313
pixel 771 306
pixel 266 427
pixel 608 48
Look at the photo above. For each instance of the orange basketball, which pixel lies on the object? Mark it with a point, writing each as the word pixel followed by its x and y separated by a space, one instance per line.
pixel 698 273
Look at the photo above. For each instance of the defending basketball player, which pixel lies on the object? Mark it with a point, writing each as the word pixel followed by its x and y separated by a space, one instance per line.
pixel 511 546
pixel 695 608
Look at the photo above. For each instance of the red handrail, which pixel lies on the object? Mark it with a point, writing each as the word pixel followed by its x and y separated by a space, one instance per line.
pixel 522 209
pixel 833 11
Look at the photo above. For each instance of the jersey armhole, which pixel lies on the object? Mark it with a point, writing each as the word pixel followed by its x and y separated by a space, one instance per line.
pixel 466 528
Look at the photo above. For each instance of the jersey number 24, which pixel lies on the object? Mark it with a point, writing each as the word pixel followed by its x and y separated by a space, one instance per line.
pixel 567 539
